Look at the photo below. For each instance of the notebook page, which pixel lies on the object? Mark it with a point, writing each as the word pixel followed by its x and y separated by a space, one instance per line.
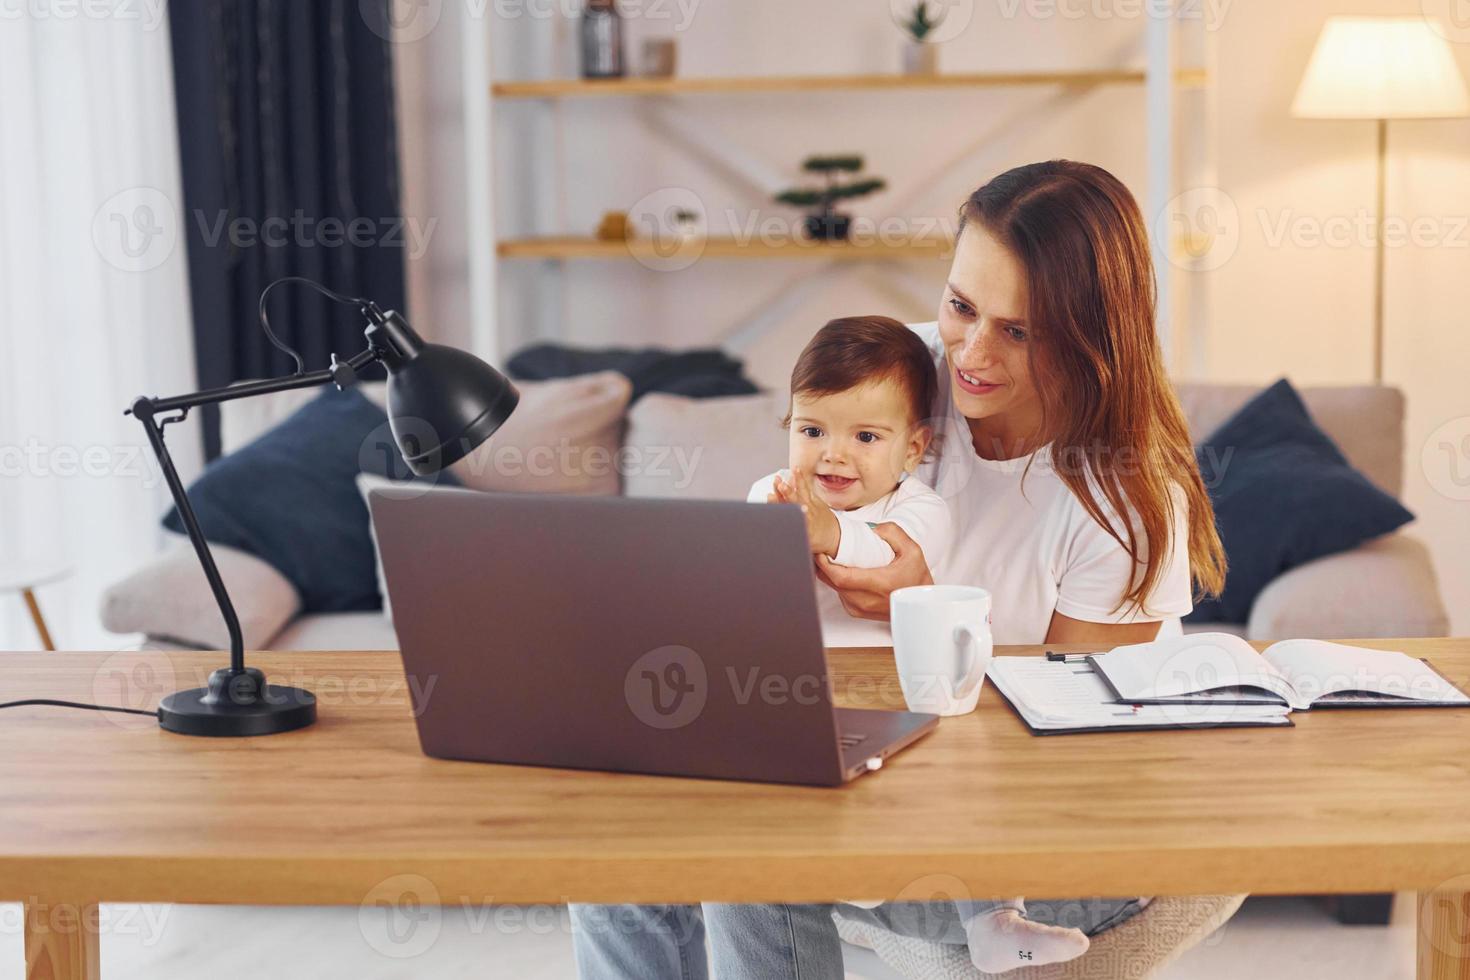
pixel 1189 665
pixel 1317 668
pixel 1052 695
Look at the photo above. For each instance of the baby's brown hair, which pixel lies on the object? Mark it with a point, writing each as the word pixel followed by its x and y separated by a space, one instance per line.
pixel 854 350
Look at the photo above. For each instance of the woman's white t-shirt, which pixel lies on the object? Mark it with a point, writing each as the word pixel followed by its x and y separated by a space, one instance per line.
pixel 1026 538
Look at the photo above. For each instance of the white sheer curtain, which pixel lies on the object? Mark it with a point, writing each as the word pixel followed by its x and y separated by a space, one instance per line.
pixel 93 299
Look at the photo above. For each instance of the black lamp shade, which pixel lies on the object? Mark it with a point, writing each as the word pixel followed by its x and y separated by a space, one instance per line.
pixel 442 401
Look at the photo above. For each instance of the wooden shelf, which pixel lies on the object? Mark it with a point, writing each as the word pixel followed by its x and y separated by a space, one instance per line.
pixel 572 247
pixel 579 88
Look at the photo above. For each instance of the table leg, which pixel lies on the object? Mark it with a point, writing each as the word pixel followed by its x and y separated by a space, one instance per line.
pixel 62 941
pixel 1444 936
pixel 38 619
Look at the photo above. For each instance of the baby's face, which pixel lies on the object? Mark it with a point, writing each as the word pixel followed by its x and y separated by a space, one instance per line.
pixel 855 443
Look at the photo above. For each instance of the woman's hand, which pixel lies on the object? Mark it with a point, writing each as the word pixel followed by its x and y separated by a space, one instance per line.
pixel 822 529
pixel 864 591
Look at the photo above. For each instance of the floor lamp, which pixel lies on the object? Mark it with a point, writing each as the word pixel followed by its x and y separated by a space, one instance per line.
pixel 1381 68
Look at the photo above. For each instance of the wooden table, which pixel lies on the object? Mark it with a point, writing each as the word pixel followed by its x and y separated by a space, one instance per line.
pixel 109 808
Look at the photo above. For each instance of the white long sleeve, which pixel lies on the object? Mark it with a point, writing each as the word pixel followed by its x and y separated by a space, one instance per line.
pixel 918 510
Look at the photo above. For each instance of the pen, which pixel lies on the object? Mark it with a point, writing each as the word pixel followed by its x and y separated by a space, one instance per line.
pixel 1068 658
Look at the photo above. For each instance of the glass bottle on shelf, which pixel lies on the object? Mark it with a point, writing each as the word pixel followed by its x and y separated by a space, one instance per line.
pixel 602 40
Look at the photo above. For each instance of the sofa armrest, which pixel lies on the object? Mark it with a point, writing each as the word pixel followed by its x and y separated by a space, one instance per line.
pixel 170 598
pixel 1383 588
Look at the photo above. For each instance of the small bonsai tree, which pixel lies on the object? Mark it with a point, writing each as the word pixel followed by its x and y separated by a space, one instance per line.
pixel 920 23
pixel 826 222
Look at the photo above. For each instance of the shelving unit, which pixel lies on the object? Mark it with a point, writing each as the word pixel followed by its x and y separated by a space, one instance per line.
pixel 575 88
pixel 1161 79
pixel 577 247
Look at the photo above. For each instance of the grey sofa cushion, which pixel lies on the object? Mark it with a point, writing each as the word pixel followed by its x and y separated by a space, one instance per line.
pixel 170 597
pixel 710 448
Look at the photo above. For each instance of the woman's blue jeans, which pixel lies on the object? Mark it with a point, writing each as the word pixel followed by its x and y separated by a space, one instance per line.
pixel 776 942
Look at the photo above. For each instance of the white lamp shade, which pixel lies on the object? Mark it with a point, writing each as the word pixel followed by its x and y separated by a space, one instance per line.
pixel 1381 68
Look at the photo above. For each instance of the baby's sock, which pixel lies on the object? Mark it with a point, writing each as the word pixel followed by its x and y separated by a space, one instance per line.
pixel 1004 939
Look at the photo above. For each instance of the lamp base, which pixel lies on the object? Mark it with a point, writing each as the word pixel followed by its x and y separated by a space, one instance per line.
pixel 235 705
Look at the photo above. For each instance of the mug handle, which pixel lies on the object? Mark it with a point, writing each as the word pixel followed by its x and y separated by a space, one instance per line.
pixel 965 638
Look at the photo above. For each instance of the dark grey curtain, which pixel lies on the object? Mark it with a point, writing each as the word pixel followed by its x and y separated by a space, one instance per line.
pixel 289 161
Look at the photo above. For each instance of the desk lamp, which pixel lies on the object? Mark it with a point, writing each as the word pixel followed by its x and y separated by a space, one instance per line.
pixel 448 394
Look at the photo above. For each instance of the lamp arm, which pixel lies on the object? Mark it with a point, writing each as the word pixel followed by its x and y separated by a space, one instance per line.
pixel 146 410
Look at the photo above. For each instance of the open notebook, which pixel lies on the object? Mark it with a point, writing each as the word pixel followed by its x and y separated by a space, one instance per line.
pixel 1056 697
pixel 1221 669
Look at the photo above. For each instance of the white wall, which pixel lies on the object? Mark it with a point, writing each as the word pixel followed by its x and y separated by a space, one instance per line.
pixel 1275 307
pixel 1301 306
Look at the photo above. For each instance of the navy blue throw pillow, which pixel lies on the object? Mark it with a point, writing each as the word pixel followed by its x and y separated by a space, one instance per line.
pixel 1284 494
pixel 290 498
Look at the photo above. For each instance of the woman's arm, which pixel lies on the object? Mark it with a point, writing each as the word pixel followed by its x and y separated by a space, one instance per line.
pixel 1065 629
pixel 864 591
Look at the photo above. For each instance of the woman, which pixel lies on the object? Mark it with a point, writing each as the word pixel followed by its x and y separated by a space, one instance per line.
pixel 1073 489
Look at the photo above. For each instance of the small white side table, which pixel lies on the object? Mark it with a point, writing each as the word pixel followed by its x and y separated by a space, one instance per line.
pixel 25 579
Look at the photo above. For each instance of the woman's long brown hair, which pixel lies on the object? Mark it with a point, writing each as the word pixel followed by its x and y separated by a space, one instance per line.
pixel 1113 419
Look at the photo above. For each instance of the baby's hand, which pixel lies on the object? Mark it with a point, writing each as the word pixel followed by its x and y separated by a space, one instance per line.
pixel 822 529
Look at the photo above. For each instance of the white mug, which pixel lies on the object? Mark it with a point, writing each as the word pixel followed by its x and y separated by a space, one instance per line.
pixel 942 646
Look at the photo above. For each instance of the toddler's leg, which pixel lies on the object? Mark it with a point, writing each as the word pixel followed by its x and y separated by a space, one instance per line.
pixel 1001 938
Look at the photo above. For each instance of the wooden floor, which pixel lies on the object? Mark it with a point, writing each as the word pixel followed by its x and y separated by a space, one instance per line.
pixel 1269 937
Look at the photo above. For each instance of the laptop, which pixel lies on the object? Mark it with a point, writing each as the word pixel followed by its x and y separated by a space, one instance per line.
pixel 673 637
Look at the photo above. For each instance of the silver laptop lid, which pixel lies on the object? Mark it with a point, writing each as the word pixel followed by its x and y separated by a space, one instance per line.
pixel 672 637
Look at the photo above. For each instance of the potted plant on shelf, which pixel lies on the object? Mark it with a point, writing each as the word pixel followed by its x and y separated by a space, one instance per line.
pixel 920 56
pixel 827 223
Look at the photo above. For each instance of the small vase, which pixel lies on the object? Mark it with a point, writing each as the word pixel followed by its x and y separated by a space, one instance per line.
pixel 920 58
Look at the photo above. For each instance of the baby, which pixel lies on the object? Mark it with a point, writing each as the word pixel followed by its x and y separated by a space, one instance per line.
pixel 861 394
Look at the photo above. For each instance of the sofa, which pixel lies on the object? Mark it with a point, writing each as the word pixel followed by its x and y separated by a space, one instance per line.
pixel 593 442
